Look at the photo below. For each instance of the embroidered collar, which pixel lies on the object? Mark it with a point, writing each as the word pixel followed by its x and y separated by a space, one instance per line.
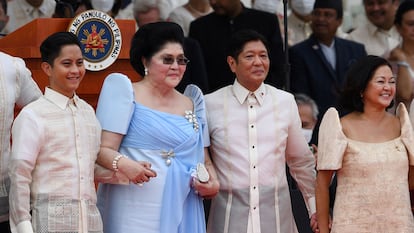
pixel 60 100
pixel 242 93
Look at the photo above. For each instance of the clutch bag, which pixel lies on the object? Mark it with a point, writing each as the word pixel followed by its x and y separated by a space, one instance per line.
pixel 202 173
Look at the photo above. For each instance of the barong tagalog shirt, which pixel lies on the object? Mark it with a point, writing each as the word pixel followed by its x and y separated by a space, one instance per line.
pixel 55 144
pixel 16 87
pixel 377 41
pixel 253 136
pixel 21 13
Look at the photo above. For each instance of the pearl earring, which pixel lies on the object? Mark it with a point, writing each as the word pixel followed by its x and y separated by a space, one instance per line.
pixel 145 71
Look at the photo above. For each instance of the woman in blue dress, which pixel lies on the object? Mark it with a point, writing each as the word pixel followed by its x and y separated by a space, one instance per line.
pixel 155 141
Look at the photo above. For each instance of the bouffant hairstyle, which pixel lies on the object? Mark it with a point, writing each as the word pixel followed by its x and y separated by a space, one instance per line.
pixel 151 38
pixel 357 78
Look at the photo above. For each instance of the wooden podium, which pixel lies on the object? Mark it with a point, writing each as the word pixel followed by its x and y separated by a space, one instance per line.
pixel 25 43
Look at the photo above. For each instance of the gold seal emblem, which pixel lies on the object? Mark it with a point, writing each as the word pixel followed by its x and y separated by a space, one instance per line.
pixel 100 38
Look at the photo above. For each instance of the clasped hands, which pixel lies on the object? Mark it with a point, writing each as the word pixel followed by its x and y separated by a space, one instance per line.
pixel 138 172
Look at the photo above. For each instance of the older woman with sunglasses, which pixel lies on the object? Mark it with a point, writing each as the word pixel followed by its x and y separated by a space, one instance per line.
pixel 154 140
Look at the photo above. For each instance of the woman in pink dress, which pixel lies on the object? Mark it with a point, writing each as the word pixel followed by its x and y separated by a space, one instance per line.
pixel 371 151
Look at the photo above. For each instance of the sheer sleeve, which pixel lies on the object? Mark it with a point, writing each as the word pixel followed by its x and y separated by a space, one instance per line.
pixel 25 151
pixel 116 103
pixel 332 142
pixel 27 89
pixel 407 133
pixel 195 93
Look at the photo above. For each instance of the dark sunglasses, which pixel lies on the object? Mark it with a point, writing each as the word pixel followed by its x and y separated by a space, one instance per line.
pixel 169 60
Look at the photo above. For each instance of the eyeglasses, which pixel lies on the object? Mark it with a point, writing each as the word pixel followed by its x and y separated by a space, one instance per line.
pixel 169 60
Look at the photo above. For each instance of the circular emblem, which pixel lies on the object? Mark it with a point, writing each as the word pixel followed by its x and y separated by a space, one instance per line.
pixel 100 38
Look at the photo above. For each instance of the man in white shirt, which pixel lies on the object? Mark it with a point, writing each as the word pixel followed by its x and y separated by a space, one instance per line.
pixel 16 88
pixel 22 12
pixel 378 34
pixel 255 130
pixel 56 140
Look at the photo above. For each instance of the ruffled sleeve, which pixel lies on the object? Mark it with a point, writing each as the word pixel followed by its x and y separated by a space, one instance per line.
pixel 116 103
pixel 407 134
pixel 195 93
pixel 332 142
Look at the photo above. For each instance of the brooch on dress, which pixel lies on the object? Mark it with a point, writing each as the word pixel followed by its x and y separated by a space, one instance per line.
pixel 192 118
pixel 167 155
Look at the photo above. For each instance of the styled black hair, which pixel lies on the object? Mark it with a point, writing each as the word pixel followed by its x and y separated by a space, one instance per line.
pixel 150 38
pixel 357 78
pixel 52 45
pixel 240 38
pixel 402 9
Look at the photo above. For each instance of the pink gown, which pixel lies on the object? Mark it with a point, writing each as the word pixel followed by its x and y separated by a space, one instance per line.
pixel 372 193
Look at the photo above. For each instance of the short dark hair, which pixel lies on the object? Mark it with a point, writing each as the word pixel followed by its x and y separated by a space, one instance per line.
pixel 240 38
pixel 357 78
pixel 150 38
pixel 402 9
pixel 52 45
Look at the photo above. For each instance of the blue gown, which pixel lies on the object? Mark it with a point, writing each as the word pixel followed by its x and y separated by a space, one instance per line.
pixel 173 145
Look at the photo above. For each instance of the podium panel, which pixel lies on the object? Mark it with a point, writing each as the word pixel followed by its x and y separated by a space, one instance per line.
pixel 25 43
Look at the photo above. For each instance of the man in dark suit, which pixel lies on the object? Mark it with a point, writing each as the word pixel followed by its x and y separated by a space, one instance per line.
pixel 214 30
pixel 319 64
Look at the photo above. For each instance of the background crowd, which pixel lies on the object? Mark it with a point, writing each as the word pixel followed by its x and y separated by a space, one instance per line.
pixel 267 115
